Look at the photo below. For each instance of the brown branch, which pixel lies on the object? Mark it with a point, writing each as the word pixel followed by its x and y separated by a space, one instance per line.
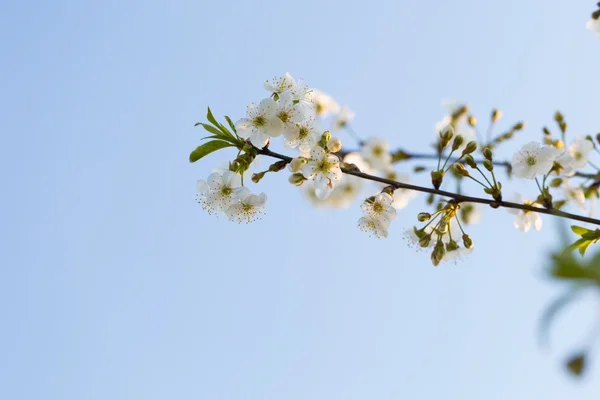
pixel 458 197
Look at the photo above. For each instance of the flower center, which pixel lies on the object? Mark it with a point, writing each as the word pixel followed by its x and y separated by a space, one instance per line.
pixel 324 166
pixel 531 160
pixel 303 132
pixel 378 151
pixel 284 116
pixel 226 191
pixel 377 208
pixel 259 121
pixel 319 108
pixel 578 155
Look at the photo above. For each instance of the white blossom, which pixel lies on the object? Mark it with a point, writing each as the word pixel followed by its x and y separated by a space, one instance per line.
pixel 373 227
pixel 247 208
pixel 525 220
pixel 533 160
pixel 456 254
pixel 290 114
pixel 219 191
pixel 304 136
pixel 401 196
pixel 593 25
pixel 324 170
pixel 261 123
pixel 345 191
pixel 380 208
pixel 580 149
pixel 376 152
pixel 342 118
pixel 280 84
pixel 566 164
pixel 575 194
pixel 324 105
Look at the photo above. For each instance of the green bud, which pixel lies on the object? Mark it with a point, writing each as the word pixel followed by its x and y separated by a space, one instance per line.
pixel 458 141
pixel 451 246
pixel 296 179
pixel 598 137
pixel 487 153
pixel 424 217
pixel 470 161
pixel 518 126
pixel 425 240
pixel 496 114
pixel 556 182
pixel 277 166
pixel 472 121
pixel 438 253
pixel 258 176
pixel 443 225
pixel 546 131
pixel 446 134
pixel 471 147
pixel 326 137
pixel 467 242
pixel 558 117
pixel 419 168
pixel 488 165
pixel 460 169
pixel 563 126
pixel 436 178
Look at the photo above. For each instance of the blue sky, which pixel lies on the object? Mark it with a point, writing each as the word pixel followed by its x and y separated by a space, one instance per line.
pixel 115 284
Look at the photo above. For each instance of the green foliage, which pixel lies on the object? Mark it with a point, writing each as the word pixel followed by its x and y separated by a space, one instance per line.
pixel 588 237
pixel 222 137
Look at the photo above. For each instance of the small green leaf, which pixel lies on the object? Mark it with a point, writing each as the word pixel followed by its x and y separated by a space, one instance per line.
pixel 579 230
pixel 583 248
pixel 231 125
pixel 198 123
pixel 212 130
pixel 208 148
pixel 576 364
pixel 593 235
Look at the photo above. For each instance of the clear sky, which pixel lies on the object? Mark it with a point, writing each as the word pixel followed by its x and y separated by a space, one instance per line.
pixel 114 284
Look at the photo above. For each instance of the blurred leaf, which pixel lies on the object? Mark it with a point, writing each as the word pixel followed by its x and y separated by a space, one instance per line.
pixel 551 311
pixel 579 230
pixel 208 148
pixel 576 364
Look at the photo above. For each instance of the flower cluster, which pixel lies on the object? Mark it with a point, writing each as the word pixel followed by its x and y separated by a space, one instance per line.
pixel 222 192
pixel 378 214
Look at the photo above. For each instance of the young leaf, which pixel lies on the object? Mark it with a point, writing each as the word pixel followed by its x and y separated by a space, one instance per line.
pixel 212 129
pixel 211 118
pixel 208 148
pixel 579 230
pixel 230 123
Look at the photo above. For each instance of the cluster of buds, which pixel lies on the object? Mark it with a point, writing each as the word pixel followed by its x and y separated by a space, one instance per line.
pixel 441 233
pixel 446 136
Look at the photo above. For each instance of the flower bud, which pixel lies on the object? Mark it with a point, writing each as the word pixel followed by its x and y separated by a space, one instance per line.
pixel 558 117
pixel 460 169
pixel 472 121
pixel 458 141
pixel 471 147
pixel 598 137
pixel 488 165
pixel 436 178
pixel 518 126
pixel 296 179
pixel 496 114
pixel 326 137
pixel 277 166
pixel 546 131
pixel 424 217
pixel 467 241
pixel 563 126
pixel 487 153
pixel 447 133
pixel 451 246
pixel 438 253
pixel 470 161
pixel 556 182
pixel 258 176
pixel 443 225
pixel 425 240
pixel 334 145
pixel 296 164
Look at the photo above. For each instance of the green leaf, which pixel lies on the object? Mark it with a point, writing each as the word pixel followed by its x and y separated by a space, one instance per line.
pixel 212 129
pixel 551 311
pixel 230 123
pixel 198 123
pixel 590 235
pixel 579 230
pixel 583 248
pixel 208 148
pixel 576 364
pixel 211 118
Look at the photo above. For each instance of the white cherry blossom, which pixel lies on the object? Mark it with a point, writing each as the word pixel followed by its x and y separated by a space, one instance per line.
pixel 260 124
pixel 456 254
pixel 342 118
pixel 324 170
pixel 566 164
pixel 324 105
pixel 304 136
pixel 280 84
pixel 580 149
pixel 533 160
pixel 575 195
pixel 380 208
pixel 376 152
pixel 373 227
pixel 247 208
pixel 525 220
pixel 289 113
pixel 401 196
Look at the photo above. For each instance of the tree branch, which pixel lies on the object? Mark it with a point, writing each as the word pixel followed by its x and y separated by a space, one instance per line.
pixel 458 197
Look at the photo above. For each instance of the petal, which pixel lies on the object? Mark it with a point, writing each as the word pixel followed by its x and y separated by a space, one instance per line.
pixel 335 174
pixel 317 153
pixel 202 187
pixel 215 181
pixel 244 128
pixel 273 127
pixel 309 169
pixel 232 179
pixel 291 132
pixel 322 189
pixel 259 139
pixel 267 108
